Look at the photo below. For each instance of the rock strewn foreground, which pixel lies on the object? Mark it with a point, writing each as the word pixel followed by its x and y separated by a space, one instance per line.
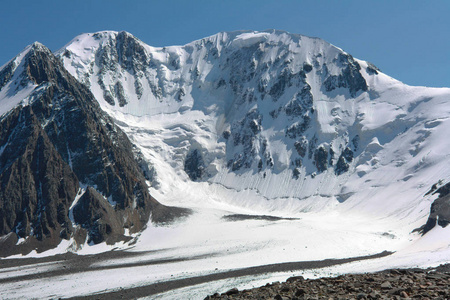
pixel 391 284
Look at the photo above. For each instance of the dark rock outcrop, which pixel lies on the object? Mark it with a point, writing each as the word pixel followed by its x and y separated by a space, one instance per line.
pixel 301 146
pixel 349 78
pixel 194 165
pixel 372 69
pixel 97 216
pixel 344 161
pixel 440 209
pixel 321 159
pixel 6 73
pixel 246 132
pixel 301 103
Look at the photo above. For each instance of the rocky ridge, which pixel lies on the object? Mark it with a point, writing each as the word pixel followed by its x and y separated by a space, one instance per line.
pixel 440 208
pixel 66 170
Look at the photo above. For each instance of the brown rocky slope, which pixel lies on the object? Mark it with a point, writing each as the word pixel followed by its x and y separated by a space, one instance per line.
pixel 389 284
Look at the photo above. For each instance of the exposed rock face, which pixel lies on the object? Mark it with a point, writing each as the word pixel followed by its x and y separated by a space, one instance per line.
pixel 97 216
pixel 245 134
pixel 440 209
pixel 37 185
pixel 56 140
pixel 6 74
pixel 344 160
pixel 350 77
pixel 194 165
pixel 321 159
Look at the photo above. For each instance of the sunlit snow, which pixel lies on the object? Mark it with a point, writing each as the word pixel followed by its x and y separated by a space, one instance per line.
pixel 373 207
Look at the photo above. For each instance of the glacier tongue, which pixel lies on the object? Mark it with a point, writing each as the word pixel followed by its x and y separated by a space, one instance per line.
pixel 272 116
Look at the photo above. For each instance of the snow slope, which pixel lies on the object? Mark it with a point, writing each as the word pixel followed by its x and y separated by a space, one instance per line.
pixel 291 122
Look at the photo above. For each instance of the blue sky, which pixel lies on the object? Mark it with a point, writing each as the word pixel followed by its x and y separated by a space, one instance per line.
pixel 408 40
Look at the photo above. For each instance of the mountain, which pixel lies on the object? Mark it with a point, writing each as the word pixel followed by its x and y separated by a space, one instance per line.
pixel 66 170
pixel 276 116
pixel 277 151
pixel 266 123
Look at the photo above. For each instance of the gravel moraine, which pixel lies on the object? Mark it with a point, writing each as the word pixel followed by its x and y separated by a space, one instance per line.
pixel 389 284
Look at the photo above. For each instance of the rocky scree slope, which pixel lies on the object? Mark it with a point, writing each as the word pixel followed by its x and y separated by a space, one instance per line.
pixel 389 284
pixel 66 171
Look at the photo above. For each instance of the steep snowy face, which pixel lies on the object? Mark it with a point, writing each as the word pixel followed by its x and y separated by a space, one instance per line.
pixel 129 76
pixel 278 115
pixel 123 73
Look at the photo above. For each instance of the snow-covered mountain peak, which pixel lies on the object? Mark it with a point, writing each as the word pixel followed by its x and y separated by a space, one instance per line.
pixel 37 46
pixel 282 115
pixel 15 84
pixel 92 41
pixel 19 57
pixel 164 79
